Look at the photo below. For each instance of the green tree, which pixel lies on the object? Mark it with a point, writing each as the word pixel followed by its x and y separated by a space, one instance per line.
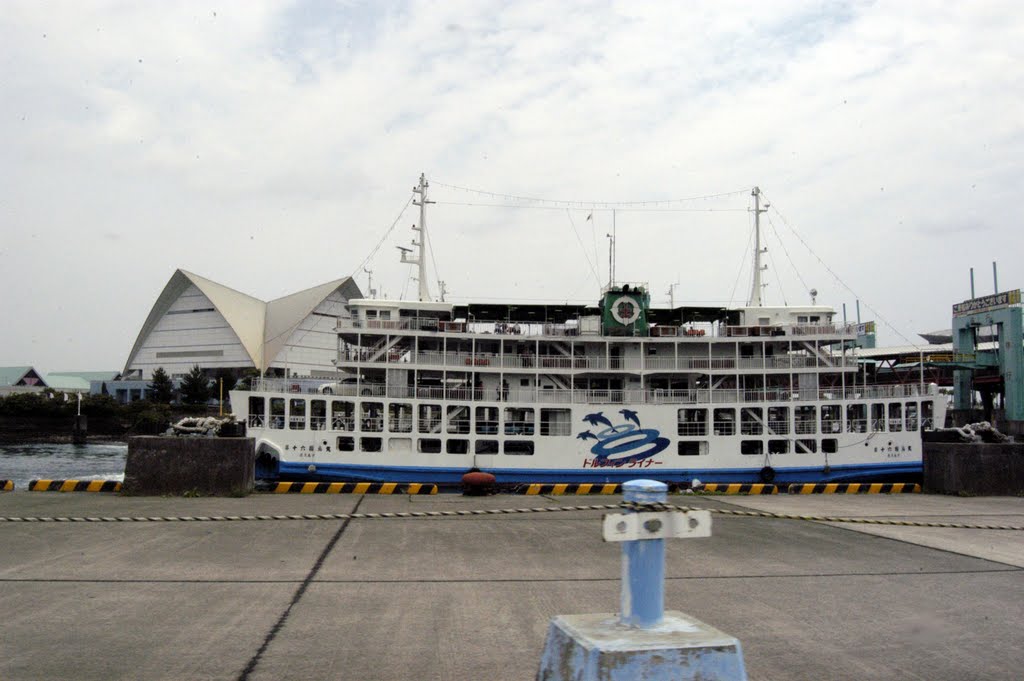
pixel 161 389
pixel 195 387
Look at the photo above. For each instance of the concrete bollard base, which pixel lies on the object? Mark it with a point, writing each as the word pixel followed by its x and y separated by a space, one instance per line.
pixel 597 646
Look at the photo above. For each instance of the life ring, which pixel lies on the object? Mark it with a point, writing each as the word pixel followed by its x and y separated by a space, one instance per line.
pixel 767 474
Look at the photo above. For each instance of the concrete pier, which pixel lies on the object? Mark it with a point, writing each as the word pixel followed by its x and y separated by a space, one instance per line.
pixel 470 598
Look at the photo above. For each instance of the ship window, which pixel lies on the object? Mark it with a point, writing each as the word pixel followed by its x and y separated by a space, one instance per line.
pixel 877 418
pixel 430 446
pixel 297 414
pixel 801 319
pixel 829 445
pixel 806 446
pixel 725 421
pixel 519 447
pixel 895 417
pixel 257 417
pixel 778 446
pixel 277 412
pixel 486 421
pixel 400 417
pixel 372 417
pixel 555 421
pixel 430 419
pixel 831 418
pixel 458 446
pixel 399 444
pixel 751 420
pixel 927 415
pixel 778 420
pixel 805 418
pixel 343 415
pixel 911 414
pixel 857 418
pixel 692 422
pixel 370 444
pixel 692 447
pixel 346 444
pixel 458 419
pixel 486 446
pixel 518 421
pixel 318 415
pixel 751 447
pixel 525 382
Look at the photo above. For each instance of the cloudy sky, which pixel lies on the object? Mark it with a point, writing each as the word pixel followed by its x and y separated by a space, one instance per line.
pixel 270 146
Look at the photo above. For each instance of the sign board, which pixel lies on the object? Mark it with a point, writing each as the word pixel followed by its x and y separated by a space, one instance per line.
pixel 865 328
pixel 987 303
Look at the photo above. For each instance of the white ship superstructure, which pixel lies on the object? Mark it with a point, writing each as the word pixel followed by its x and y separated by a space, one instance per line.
pixel 427 390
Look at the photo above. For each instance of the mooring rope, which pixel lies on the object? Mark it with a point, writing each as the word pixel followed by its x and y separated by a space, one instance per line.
pixel 501 511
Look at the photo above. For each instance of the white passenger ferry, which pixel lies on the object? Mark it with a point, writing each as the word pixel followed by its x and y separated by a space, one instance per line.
pixel 428 390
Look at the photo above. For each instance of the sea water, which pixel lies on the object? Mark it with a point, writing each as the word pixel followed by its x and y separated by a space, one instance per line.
pixel 39 461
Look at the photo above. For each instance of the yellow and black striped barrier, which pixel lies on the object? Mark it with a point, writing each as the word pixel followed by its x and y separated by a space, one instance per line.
pixel 352 488
pixel 739 488
pixel 6 485
pixel 74 486
pixel 856 488
pixel 572 488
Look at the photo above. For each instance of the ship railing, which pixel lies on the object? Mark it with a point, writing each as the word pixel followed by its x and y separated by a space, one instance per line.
pixel 792 330
pixel 698 429
pixel 346 423
pixel 354 356
pixel 572 328
pixel 470 393
pixel 857 425
pixel 805 427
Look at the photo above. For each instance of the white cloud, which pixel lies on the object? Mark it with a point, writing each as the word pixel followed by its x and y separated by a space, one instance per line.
pixel 268 146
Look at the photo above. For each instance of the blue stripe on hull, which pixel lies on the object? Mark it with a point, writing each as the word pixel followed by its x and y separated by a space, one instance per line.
pixel 453 476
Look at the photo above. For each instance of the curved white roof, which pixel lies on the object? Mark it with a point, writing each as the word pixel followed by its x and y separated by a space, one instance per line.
pixel 262 328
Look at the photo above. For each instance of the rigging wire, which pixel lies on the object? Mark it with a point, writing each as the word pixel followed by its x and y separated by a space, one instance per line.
pixel 437 272
pixel 782 245
pixel 582 247
pixel 778 279
pixel 373 252
pixel 606 208
pixel 838 280
pixel 584 204
pixel 750 239
pixel 383 238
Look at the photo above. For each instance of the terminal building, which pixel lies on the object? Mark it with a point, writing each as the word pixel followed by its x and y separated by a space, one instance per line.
pixel 196 321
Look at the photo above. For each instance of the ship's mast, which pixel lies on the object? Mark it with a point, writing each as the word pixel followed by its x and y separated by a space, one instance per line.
pixel 755 288
pixel 421 259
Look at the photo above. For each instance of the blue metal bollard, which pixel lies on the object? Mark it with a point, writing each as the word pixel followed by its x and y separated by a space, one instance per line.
pixel 642 602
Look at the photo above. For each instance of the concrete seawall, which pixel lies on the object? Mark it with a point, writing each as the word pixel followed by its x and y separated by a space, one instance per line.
pixel 976 469
pixel 215 466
